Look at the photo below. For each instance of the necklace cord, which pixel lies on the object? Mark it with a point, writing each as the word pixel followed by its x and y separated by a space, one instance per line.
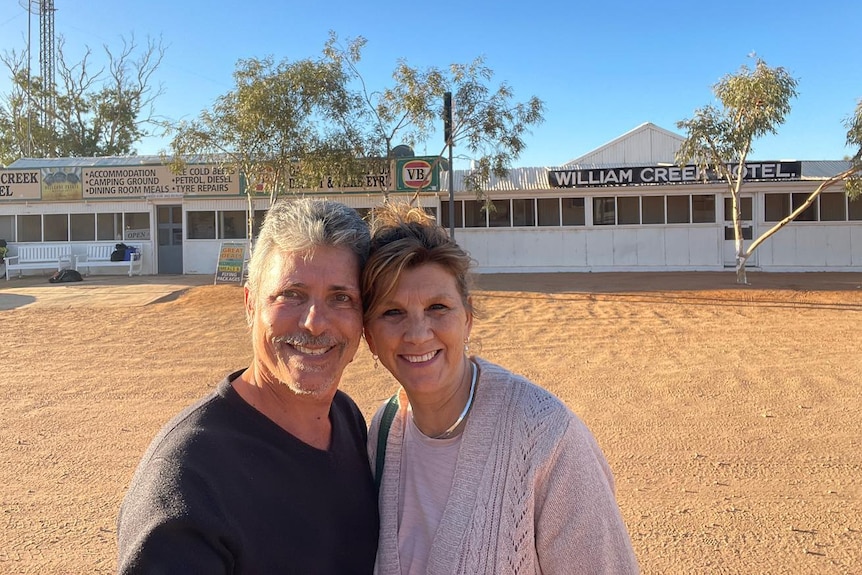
pixel 448 433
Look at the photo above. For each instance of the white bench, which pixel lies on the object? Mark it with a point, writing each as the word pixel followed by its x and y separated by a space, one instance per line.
pixel 99 255
pixel 39 257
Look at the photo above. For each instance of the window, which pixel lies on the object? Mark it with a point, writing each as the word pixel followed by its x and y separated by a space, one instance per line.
pixel 109 226
pixel 677 210
pixel 574 212
pixel 779 206
pixel 604 211
pixel 653 209
pixel 745 208
pixel 231 225
pixel 444 214
pixel 548 211
pixel 810 213
pixel 747 233
pixel 56 227
pixel 137 226
pixel 83 227
pixel 259 216
pixel 628 210
pixel 170 214
pixel 498 215
pixel 833 207
pixel 776 207
pixel 854 209
pixel 524 212
pixel 7 228
pixel 30 228
pixel 703 209
pixel 201 225
pixel 474 214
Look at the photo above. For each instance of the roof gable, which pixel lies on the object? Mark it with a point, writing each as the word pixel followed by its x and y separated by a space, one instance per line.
pixel 647 144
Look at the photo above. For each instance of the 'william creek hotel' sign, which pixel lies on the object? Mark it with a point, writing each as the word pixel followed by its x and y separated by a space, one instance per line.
pixel 647 175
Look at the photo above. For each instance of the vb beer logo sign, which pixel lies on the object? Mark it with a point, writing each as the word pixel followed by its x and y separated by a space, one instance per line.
pixel 417 173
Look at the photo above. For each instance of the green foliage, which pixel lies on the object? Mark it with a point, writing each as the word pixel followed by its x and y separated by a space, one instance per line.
pixel 753 104
pixel 90 112
pixel 853 184
pixel 316 122
pixel 487 123
pixel 285 125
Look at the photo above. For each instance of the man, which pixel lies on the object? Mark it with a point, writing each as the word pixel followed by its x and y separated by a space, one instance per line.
pixel 269 473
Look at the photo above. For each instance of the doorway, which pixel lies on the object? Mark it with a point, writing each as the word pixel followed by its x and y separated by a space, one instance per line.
pixel 170 232
pixel 746 205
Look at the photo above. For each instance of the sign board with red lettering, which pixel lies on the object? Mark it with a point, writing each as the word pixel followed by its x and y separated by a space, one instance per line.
pixel 76 183
pixel 231 263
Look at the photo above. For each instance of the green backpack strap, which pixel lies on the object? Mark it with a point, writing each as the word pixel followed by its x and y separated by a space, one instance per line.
pixel 382 434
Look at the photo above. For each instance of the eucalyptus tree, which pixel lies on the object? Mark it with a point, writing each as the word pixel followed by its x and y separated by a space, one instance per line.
pixel 487 124
pixel 92 110
pixel 754 103
pixel 316 122
pixel 280 127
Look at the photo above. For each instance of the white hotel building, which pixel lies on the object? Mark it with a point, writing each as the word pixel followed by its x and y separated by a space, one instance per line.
pixel 622 207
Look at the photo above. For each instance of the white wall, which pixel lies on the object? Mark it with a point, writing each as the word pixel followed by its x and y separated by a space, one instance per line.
pixel 594 249
pixel 801 246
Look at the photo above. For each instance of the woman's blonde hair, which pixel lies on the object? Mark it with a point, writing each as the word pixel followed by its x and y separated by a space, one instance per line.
pixel 404 237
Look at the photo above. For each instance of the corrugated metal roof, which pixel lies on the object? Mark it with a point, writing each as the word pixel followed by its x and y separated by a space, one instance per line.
pixel 518 179
pixel 31 163
pixel 822 169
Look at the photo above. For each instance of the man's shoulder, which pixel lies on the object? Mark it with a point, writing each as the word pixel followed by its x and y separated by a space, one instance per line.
pixel 343 401
pixel 344 407
pixel 193 422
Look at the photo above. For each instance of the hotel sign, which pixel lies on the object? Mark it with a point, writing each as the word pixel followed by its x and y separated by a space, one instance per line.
pixel 20 185
pixel 75 183
pixel 653 175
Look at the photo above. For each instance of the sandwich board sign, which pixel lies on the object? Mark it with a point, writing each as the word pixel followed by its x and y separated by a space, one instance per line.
pixel 231 263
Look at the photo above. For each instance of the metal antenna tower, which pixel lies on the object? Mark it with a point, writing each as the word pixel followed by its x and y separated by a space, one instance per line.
pixel 46 58
pixel 45 10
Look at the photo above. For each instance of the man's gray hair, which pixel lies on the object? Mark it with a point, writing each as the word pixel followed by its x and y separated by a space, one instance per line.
pixel 303 224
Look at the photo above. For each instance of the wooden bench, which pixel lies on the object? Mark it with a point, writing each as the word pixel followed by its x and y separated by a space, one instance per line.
pixel 39 257
pixel 99 255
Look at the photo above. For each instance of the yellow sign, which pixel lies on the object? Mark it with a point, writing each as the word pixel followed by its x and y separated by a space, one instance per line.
pixel 231 263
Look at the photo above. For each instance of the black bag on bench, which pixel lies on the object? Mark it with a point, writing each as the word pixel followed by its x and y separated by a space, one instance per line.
pixel 119 253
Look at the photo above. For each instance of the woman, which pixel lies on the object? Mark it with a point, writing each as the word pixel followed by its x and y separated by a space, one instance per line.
pixel 482 470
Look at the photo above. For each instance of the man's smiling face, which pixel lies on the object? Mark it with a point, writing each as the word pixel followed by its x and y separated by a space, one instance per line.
pixel 306 319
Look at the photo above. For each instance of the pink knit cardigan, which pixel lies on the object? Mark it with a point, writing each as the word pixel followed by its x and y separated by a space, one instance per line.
pixel 532 491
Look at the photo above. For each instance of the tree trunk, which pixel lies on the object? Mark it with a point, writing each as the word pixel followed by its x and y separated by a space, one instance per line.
pixel 740 268
pixel 739 242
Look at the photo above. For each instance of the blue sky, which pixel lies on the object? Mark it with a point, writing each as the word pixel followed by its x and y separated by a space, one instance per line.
pixel 602 68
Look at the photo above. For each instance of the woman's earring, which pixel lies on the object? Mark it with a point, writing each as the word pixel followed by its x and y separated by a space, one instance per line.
pixel 374 355
pixel 467 345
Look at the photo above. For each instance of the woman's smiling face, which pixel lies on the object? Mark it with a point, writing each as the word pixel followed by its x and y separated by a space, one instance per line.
pixel 419 331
